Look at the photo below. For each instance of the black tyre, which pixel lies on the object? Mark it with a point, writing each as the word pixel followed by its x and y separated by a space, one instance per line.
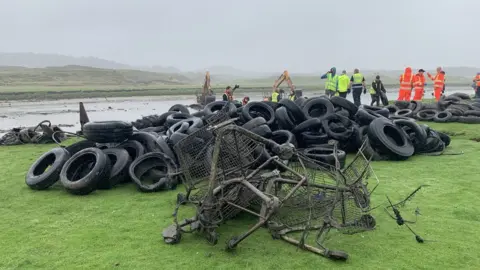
pixel 444 137
pixel 215 106
pixel 120 161
pixel 404 113
pixel 426 115
pixel 255 122
pixel 389 139
pixel 300 101
pixel 134 148
pixel 79 146
pixel 284 119
pixel 402 104
pixel 392 109
pixel 469 119
pixel 417 106
pixel 83 171
pixel 152 172
pixel 416 132
pixel 38 177
pixel 177 117
pixel 148 141
pixel 365 117
pixel 443 117
pixel 283 137
pixel 371 153
pixel 345 104
pixel 179 108
pixel 258 109
pixel 326 155
pixel 461 95
pixel 199 114
pixel 318 108
pixel 263 131
pixel 312 124
pixel 309 138
pixel 337 127
pixel 107 131
pixel 274 105
pixel 472 113
pixel 186 126
pixel 295 112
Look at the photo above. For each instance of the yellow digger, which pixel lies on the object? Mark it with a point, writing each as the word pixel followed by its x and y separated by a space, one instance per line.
pixel 206 95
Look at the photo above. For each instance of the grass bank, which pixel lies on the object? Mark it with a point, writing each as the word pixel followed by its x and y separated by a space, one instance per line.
pixel 121 228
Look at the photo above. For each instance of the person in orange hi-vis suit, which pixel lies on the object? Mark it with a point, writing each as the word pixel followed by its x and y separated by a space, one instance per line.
pixel 419 85
pixel 476 82
pixel 406 84
pixel 438 83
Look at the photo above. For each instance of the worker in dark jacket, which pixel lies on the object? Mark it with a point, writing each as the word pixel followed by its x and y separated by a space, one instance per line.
pixel 377 87
pixel 228 95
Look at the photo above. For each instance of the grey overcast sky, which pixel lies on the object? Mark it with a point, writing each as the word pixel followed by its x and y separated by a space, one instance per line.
pixel 262 35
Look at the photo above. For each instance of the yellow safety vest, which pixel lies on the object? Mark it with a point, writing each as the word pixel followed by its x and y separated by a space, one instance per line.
pixel 275 97
pixel 292 97
pixel 332 82
pixel 372 91
pixel 357 78
pixel 343 82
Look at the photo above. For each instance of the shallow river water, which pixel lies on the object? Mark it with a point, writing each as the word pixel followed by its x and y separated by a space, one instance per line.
pixel 66 112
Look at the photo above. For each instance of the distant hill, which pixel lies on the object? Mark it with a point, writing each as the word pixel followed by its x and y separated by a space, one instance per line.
pixel 54 69
pixel 39 60
pixel 74 75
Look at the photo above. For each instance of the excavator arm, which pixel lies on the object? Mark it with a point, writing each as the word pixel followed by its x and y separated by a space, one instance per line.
pixel 206 84
pixel 284 77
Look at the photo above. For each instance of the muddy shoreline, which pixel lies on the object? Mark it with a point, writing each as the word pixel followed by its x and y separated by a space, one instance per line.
pixel 65 112
pixel 81 94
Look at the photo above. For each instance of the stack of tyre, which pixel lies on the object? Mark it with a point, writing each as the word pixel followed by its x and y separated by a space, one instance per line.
pixel 112 154
pixel 458 107
pixel 116 152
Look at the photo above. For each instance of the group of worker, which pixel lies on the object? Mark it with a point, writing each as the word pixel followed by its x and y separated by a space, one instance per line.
pixel 343 85
pixel 409 81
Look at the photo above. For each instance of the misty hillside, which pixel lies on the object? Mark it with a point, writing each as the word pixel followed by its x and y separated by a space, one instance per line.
pixel 54 69
pixel 39 60
pixel 74 75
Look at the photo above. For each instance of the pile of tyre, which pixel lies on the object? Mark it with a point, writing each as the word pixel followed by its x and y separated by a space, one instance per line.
pixel 458 107
pixel 141 152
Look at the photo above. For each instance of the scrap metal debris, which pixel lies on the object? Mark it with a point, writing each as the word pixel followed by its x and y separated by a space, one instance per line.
pixel 40 134
pixel 399 218
pixel 229 170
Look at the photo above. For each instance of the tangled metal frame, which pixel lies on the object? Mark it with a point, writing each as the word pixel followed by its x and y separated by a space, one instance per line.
pixel 228 170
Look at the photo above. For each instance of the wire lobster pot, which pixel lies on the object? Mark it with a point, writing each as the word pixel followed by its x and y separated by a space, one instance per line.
pixel 331 198
pixel 225 175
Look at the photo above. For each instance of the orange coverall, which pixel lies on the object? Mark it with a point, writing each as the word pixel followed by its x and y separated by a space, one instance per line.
pixel 419 84
pixel 438 83
pixel 406 84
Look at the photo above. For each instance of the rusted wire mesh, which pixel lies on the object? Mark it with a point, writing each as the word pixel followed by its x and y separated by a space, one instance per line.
pixel 227 167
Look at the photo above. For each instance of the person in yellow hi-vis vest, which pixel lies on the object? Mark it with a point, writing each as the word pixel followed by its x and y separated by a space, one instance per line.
pixel 332 82
pixel 343 83
pixel 275 95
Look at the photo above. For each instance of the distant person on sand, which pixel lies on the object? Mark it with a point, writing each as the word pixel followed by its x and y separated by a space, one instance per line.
pixel 438 83
pixel 357 84
pixel 377 87
pixel 476 81
pixel 245 100
pixel 332 82
pixel 419 85
pixel 228 96
pixel 406 85
pixel 343 83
